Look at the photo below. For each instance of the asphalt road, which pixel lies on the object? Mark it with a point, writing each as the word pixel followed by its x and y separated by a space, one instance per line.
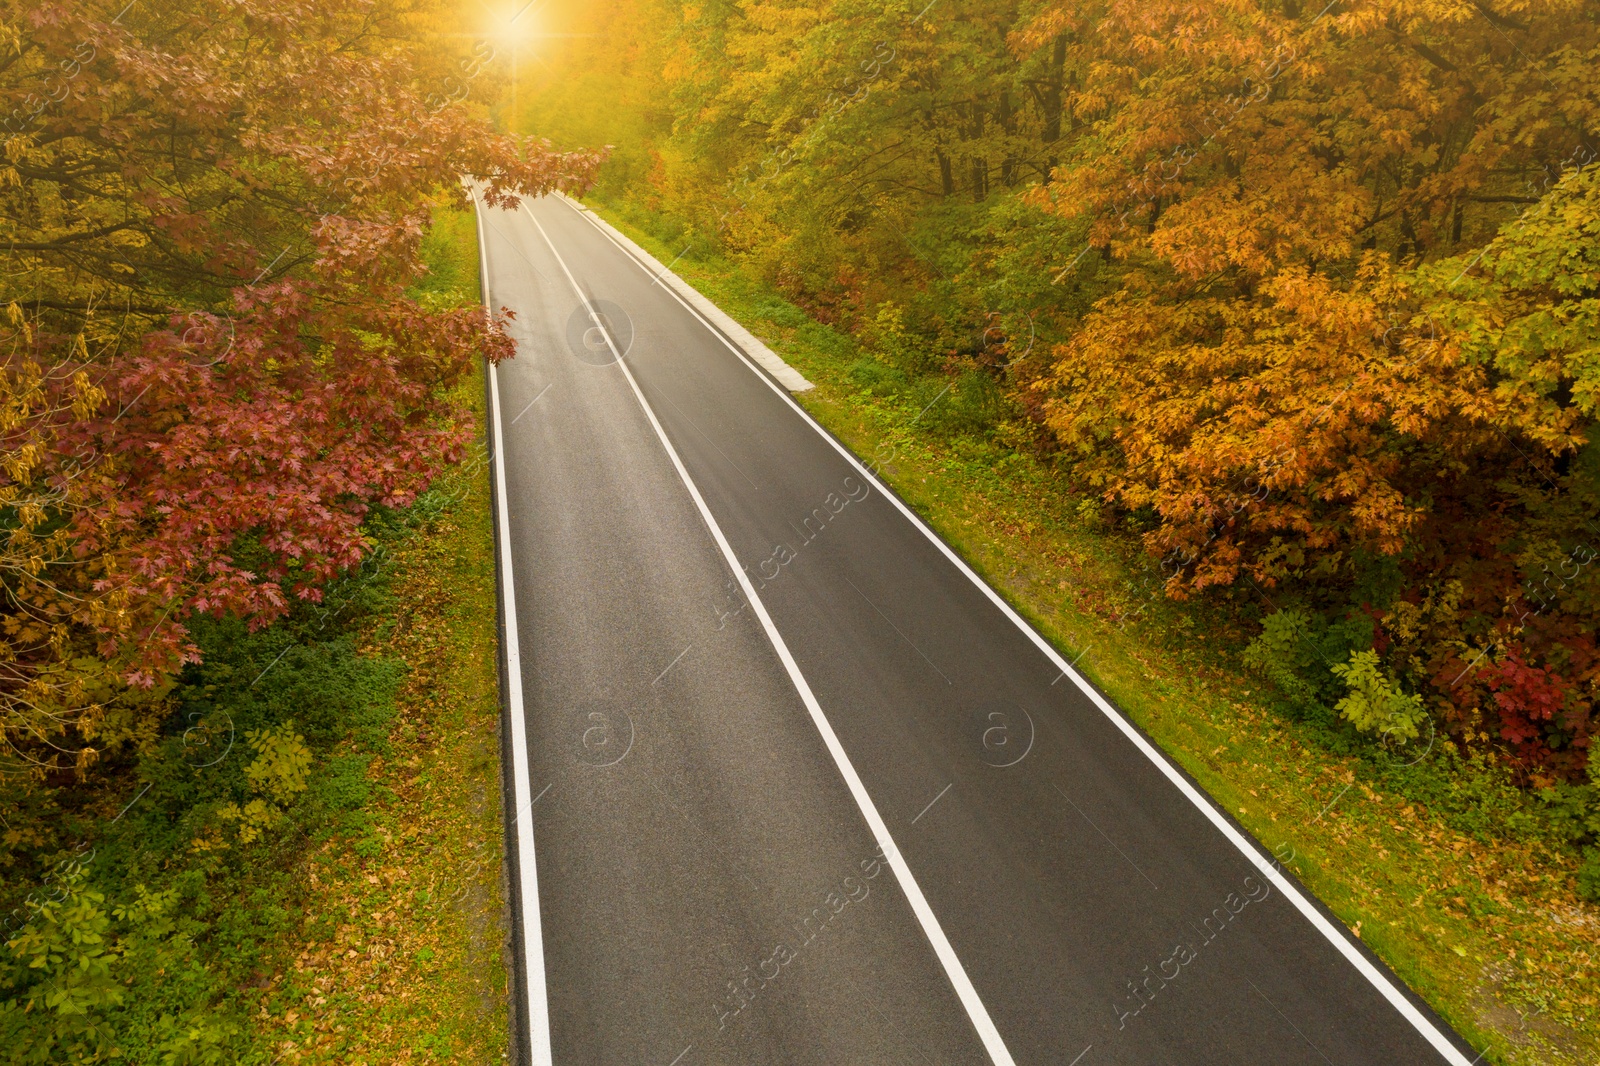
pixel 837 805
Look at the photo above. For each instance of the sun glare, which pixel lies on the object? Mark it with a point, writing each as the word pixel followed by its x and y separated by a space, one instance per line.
pixel 514 23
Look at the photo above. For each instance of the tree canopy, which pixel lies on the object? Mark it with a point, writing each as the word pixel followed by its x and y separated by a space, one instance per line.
pixel 213 368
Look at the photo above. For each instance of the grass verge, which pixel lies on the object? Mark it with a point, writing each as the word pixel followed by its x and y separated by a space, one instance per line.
pixel 1444 870
pixel 403 960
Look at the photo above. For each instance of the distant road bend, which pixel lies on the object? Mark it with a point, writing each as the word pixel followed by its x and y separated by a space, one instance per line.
pixel 788 783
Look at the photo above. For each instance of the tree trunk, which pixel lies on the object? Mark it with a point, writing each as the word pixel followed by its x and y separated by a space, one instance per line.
pixel 1008 123
pixel 1052 92
pixel 978 166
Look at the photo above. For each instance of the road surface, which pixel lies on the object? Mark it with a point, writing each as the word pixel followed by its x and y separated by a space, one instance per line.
pixel 788 784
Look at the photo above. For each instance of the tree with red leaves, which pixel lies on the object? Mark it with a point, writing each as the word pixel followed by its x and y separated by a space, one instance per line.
pixel 213 211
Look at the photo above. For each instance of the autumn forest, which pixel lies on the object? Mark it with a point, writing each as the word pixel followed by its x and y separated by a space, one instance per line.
pixel 1297 307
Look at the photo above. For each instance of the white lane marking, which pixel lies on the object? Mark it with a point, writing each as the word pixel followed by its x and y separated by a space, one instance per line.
pixel 976 1011
pixel 527 876
pixel 786 375
pixel 1335 935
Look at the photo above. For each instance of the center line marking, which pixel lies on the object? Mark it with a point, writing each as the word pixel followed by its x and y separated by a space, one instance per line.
pixel 977 1013
pixel 711 442
pixel 935 799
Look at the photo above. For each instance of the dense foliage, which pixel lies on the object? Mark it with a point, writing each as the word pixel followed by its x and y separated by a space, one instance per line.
pixel 1303 297
pixel 151 932
pixel 212 369
pixel 235 310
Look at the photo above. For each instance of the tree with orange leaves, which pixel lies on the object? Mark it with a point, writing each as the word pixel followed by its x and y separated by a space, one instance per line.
pixel 1357 316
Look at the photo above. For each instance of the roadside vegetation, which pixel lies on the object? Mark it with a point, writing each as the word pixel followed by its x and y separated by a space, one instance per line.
pixel 1303 299
pixel 249 800
pixel 1249 349
pixel 306 865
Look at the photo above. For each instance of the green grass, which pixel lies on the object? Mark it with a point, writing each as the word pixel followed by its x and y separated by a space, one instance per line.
pixel 450 248
pixel 1448 873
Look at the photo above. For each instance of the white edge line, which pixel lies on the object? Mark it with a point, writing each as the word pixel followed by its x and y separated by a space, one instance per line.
pixel 528 878
pixel 957 974
pixel 771 361
pixel 1337 936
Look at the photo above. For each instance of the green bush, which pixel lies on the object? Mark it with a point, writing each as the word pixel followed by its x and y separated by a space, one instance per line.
pixel 452 278
pixel 1296 651
pixel 1327 675
pixel 971 405
pixel 1589 876
pixel 877 377
pixel 1374 703
pixel 58 978
pixel 141 948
